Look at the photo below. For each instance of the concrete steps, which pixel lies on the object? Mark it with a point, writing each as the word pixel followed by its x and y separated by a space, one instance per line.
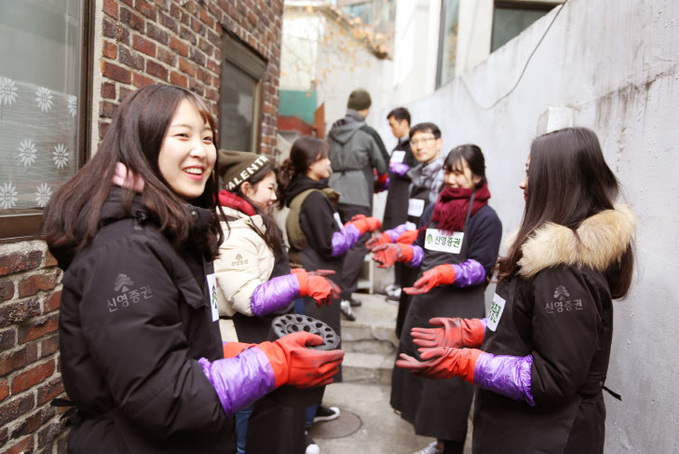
pixel 369 342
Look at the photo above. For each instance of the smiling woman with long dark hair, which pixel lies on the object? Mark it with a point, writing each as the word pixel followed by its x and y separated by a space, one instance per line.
pixel 135 231
pixel 545 345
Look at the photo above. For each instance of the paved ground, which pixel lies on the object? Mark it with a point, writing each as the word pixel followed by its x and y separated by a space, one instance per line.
pixel 381 430
pixel 376 428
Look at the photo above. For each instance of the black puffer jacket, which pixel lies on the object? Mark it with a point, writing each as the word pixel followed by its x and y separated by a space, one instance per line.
pixel 134 321
pixel 558 309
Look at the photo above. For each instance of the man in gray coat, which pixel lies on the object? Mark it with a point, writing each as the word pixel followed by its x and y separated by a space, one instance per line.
pixel 359 168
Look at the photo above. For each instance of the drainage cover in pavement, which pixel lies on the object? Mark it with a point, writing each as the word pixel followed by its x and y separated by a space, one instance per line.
pixel 345 425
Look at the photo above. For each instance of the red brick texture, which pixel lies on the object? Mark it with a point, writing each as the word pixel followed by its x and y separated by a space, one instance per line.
pixel 29 350
pixel 142 42
pixel 179 42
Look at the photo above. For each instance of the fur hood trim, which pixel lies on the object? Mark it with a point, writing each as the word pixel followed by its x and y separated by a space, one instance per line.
pixel 603 239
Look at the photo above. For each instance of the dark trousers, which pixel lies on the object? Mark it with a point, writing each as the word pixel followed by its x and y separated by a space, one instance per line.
pixel 353 259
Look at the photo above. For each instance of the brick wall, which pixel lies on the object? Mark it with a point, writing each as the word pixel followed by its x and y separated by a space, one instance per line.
pixel 142 42
pixel 179 42
pixel 29 360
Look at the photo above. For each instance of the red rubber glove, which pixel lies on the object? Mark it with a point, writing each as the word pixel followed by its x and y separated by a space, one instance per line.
pixel 366 224
pixel 381 182
pixel 388 254
pixel 407 237
pixel 439 275
pixel 233 349
pixel 456 332
pixel 317 286
pixel 442 362
pixel 294 364
pixel 378 240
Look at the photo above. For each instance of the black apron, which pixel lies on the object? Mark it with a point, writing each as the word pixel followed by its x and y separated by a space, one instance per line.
pixel 417 203
pixel 396 207
pixel 256 329
pixel 272 428
pixel 437 408
pixel 311 261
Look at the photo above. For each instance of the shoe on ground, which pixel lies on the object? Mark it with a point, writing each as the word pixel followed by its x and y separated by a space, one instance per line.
pixel 390 289
pixel 432 448
pixel 395 295
pixel 354 303
pixel 345 308
pixel 324 413
pixel 311 446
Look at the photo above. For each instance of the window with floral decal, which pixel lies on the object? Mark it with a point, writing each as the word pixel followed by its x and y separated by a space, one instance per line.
pixel 40 77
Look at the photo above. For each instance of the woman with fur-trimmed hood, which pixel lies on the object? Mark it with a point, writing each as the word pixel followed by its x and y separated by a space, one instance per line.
pixel 545 345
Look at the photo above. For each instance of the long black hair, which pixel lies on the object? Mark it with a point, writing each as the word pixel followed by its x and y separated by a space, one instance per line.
pixel 134 138
pixel 568 182
pixel 305 151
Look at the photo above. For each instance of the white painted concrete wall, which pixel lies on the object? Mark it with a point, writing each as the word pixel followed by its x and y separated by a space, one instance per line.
pixel 415 51
pixel 615 64
pixel 318 53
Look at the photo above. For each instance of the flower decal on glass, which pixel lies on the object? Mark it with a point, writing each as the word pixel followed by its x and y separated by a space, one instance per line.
pixel 8 91
pixel 43 194
pixel 60 156
pixel 28 154
pixel 72 105
pixel 8 195
pixel 44 99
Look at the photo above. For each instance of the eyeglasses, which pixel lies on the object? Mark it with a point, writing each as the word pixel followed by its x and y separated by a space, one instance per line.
pixel 422 140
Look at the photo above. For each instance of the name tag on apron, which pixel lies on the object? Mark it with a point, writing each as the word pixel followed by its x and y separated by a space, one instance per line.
pixel 415 207
pixel 397 156
pixel 212 288
pixel 337 218
pixel 495 312
pixel 437 240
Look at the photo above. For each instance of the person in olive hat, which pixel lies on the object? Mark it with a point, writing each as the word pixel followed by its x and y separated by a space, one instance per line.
pixel 359 168
pixel 255 285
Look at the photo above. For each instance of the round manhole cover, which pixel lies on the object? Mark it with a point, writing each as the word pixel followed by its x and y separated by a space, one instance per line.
pixel 345 425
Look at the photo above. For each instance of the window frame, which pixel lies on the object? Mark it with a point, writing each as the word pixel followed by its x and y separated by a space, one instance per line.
pixel 24 224
pixel 532 5
pixel 441 41
pixel 237 53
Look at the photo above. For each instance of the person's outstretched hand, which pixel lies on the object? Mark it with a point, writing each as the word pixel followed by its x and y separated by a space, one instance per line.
pixel 386 255
pixel 294 364
pixel 442 362
pixel 317 286
pixel 454 332
pixel 378 240
pixel 365 224
pixel 439 275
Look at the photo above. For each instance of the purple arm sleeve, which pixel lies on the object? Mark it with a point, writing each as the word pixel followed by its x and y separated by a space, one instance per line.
pixel 469 272
pixel 240 381
pixel 398 168
pixel 396 232
pixel 418 255
pixel 344 239
pixel 509 376
pixel 274 294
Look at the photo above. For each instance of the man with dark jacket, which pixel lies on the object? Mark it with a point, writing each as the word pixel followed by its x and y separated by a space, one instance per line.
pixel 396 208
pixel 359 164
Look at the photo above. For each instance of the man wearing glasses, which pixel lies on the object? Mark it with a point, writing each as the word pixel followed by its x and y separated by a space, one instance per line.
pixel 427 181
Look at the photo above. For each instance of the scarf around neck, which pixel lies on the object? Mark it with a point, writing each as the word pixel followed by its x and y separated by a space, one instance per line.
pixel 231 200
pixel 431 175
pixel 452 205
